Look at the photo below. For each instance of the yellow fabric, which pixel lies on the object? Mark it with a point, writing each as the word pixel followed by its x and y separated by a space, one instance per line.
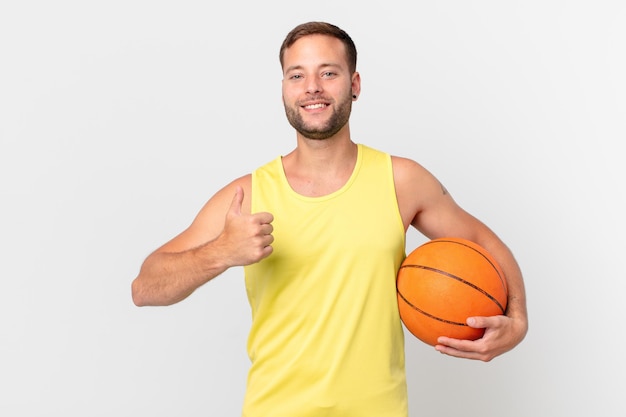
pixel 326 336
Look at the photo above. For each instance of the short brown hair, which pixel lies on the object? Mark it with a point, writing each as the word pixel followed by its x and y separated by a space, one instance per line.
pixel 321 28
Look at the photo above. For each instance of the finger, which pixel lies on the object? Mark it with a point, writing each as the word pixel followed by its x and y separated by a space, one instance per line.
pixel 267 251
pixel 480 322
pixel 264 217
pixel 474 322
pixel 267 229
pixel 457 353
pixel 235 205
pixel 457 344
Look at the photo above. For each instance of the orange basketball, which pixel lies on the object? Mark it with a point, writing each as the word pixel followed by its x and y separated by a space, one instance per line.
pixel 442 283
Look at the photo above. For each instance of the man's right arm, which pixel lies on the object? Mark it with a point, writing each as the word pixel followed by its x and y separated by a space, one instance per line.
pixel 223 235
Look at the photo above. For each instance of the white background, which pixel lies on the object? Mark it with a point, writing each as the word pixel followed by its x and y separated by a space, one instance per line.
pixel 119 119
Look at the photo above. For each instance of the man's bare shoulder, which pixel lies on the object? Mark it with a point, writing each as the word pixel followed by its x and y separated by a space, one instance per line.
pixel 416 188
pixel 406 169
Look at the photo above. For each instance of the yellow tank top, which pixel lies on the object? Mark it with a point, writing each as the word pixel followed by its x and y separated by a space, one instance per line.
pixel 326 336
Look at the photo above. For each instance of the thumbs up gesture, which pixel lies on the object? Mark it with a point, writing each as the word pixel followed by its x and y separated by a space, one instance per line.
pixel 246 237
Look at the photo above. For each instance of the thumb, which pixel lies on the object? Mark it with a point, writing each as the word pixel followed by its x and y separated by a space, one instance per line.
pixel 235 205
pixel 476 322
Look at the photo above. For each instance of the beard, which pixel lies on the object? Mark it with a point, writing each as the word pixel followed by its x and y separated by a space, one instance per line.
pixel 337 120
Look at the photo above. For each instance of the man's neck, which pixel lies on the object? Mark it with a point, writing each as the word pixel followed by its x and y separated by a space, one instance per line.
pixel 320 167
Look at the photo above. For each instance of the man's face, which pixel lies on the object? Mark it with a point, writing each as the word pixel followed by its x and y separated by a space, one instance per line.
pixel 318 86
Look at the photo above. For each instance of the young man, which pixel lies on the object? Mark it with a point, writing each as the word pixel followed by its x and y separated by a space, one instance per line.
pixel 321 235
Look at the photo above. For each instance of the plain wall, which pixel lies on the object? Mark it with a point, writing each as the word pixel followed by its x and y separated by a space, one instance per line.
pixel 119 119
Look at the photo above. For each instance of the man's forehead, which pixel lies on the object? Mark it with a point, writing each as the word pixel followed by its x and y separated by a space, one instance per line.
pixel 318 49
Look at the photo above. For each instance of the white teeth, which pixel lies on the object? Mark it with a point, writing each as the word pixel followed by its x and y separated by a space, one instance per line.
pixel 315 106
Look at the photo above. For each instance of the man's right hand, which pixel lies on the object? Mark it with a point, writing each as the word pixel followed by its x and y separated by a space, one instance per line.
pixel 247 238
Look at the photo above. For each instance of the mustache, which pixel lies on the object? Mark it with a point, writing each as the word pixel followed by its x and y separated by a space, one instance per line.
pixel 314 99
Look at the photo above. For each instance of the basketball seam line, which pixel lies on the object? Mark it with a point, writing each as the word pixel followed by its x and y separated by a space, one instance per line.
pixel 439 271
pixel 496 268
pixel 428 314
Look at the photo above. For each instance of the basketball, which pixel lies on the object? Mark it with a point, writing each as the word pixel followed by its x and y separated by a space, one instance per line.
pixel 443 282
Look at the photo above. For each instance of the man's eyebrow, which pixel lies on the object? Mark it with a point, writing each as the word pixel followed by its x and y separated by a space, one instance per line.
pixel 293 67
pixel 326 65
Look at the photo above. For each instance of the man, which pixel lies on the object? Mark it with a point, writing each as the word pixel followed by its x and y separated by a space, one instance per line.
pixel 321 234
